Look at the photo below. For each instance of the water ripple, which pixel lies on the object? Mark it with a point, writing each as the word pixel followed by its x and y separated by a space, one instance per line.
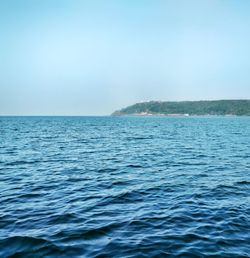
pixel 124 187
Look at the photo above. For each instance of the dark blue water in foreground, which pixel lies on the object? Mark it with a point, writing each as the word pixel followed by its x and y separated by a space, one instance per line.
pixel 124 187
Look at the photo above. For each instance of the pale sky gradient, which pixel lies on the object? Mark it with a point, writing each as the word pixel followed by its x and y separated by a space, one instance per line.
pixel 76 57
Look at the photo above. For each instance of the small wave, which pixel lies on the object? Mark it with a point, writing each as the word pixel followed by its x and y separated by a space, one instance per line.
pixel 134 166
pixel 243 182
pixel 25 246
pixel 21 162
pixel 63 219
pixel 138 138
pixel 88 234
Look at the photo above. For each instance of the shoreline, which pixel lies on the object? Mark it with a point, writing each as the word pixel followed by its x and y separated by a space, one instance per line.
pixel 178 115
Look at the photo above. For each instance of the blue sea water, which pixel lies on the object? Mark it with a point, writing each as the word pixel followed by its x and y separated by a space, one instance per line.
pixel 124 187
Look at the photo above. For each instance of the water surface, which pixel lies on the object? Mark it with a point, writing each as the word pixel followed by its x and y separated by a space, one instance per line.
pixel 124 187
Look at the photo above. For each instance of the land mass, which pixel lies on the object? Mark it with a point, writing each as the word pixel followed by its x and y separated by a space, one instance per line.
pixel 186 108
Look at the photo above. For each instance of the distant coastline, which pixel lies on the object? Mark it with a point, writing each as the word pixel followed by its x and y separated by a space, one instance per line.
pixel 187 108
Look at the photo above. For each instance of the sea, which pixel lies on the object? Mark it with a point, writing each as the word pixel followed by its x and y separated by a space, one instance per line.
pixel 124 187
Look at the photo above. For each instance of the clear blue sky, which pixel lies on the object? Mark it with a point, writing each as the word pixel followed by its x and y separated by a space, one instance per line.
pixel 72 57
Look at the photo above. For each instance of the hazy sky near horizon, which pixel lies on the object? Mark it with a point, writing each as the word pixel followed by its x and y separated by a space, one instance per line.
pixel 73 57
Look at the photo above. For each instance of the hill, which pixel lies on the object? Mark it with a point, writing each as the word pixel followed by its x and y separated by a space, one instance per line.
pixel 204 107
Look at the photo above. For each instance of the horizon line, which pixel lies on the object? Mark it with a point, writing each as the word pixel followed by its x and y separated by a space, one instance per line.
pixel 102 115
